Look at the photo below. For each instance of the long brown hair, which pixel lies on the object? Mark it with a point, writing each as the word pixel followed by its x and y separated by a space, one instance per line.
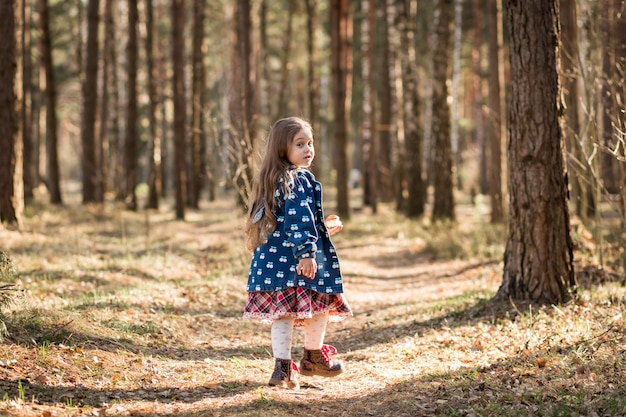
pixel 275 166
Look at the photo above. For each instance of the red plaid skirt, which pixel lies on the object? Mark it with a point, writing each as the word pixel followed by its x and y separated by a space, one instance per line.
pixel 296 302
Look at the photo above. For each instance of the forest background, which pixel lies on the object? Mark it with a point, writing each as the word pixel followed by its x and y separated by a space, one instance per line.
pixel 156 107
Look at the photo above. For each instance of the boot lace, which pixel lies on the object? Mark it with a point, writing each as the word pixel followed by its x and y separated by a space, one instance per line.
pixel 327 352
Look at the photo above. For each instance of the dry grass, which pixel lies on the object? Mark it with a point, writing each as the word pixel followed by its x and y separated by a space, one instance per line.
pixel 137 314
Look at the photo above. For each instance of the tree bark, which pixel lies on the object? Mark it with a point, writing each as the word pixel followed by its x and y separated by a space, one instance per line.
pixel 497 119
pixel 31 179
pixel 341 35
pixel 52 156
pixel 577 164
pixel 178 89
pixel 314 83
pixel 11 185
pixel 443 207
pixel 477 60
pixel 108 59
pixel 383 142
pixel 284 73
pixel 132 139
pixel 154 140
pixel 538 260
pixel 198 135
pixel 91 176
pixel 413 138
pixel 369 171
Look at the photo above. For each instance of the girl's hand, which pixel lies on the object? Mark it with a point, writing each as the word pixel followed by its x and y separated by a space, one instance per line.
pixel 333 224
pixel 307 267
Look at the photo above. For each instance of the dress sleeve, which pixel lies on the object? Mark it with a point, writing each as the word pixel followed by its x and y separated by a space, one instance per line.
pixel 300 230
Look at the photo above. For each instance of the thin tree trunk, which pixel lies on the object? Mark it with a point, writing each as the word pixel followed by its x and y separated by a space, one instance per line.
pixel 369 155
pixel 52 156
pixel 104 140
pixel 284 73
pixel 341 34
pixel 154 140
pixel 11 180
pixel 608 163
pixel 413 139
pixel 178 87
pixel 577 164
pixel 443 207
pixel 132 139
pixel 29 167
pixel 478 96
pixel 456 81
pixel 538 260
pixel 313 86
pixel 497 109
pixel 198 134
pixel 383 142
pixel 91 176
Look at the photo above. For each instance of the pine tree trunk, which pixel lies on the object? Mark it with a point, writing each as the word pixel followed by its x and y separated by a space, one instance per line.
pixel 477 59
pixel 30 167
pixel 198 134
pixel 154 140
pixel 284 72
pixel 91 176
pixel 538 260
pixel 443 207
pixel 497 118
pixel 383 143
pixel 178 91
pixel 579 171
pixel 413 139
pixel 314 83
pixel 52 156
pixel 340 35
pixel 11 191
pixel 104 139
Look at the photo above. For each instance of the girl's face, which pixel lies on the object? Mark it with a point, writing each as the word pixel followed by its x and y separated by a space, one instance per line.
pixel 301 150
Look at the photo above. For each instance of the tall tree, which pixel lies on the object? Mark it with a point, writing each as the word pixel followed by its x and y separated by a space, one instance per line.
pixel 314 82
pixel 30 168
pixel 154 141
pixel 413 138
pixel 178 90
pixel 443 207
pixel 52 155
pixel 91 175
pixel 197 172
pixel 284 72
pixel 477 59
pixel 578 167
pixel 131 140
pixel 243 110
pixel 497 131
pixel 340 38
pixel 620 59
pixel 369 145
pixel 608 163
pixel 11 180
pixel 384 139
pixel 538 260
pixel 107 64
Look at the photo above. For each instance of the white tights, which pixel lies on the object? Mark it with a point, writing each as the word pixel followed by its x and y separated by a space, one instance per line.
pixel 282 334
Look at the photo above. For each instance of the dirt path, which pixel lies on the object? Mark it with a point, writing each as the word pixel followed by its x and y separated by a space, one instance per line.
pixel 136 314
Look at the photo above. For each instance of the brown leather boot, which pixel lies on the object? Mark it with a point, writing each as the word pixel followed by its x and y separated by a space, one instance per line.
pixel 285 374
pixel 319 362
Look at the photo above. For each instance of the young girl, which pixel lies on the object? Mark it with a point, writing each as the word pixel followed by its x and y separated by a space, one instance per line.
pixel 294 277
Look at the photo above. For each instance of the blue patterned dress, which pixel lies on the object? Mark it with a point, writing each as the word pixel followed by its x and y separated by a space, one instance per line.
pixel 274 288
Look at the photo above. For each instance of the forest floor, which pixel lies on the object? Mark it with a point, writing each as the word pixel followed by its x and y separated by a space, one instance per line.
pixel 136 314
